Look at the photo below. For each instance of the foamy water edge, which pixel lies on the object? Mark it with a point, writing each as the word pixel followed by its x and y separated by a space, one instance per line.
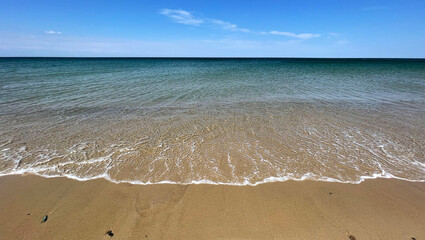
pixel 307 176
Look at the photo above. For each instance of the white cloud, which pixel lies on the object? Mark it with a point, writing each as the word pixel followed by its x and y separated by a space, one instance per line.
pixel 185 17
pixel 181 16
pixel 227 26
pixel 294 35
pixel 52 32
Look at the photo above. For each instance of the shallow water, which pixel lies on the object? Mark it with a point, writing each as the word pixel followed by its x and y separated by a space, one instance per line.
pixel 218 121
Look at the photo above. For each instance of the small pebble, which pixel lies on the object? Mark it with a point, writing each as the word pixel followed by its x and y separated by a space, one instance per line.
pixel 351 237
pixel 413 238
pixel 110 233
pixel 330 193
pixel 44 219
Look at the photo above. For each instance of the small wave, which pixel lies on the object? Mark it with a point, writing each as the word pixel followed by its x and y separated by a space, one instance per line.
pixel 60 169
pixel 307 176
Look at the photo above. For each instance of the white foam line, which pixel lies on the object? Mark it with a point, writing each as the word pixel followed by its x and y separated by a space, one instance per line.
pixel 308 176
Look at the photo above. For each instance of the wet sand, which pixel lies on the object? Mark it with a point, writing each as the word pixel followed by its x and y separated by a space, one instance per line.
pixel 374 209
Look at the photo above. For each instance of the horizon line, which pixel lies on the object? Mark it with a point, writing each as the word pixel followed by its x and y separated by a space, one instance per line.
pixel 124 57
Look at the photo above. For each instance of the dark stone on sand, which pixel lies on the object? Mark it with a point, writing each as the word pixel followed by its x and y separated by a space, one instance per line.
pixel 330 193
pixel 146 236
pixel 413 238
pixel 28 214
pixel 110 233
pixel 351 237
pixel 44 219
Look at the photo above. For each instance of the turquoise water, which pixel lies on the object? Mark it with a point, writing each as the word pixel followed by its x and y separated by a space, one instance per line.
pixel 48 106
pixel 32 84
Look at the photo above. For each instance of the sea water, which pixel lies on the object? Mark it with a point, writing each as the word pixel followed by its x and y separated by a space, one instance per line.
pixel 216 121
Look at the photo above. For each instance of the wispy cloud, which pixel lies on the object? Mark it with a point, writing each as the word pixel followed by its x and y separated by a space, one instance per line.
pixel 52 32
pixel 227 26
pixel 186 17
pixel 181 16
pixel 294 35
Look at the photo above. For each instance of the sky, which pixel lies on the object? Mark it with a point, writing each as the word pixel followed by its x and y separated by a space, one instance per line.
pixel 213 28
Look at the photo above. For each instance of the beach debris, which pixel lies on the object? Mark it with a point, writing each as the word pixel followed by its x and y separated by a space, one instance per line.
pixel 413 238
pixel 330 193
pixel 351 237
pixel 28 214
pixel 44 219
pixel 110 233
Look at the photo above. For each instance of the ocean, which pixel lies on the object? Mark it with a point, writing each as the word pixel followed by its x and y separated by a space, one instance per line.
pixel 214 121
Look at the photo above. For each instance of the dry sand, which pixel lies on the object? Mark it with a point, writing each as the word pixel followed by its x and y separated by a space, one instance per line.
pixel 374 209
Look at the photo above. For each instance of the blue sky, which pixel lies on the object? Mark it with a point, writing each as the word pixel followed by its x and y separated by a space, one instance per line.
pixel 215 28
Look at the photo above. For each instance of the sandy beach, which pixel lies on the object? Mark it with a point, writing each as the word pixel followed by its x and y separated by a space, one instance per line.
pixel 374 209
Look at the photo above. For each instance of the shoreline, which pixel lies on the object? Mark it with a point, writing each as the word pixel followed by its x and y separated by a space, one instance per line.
pixel 208 182
pixel 374 209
